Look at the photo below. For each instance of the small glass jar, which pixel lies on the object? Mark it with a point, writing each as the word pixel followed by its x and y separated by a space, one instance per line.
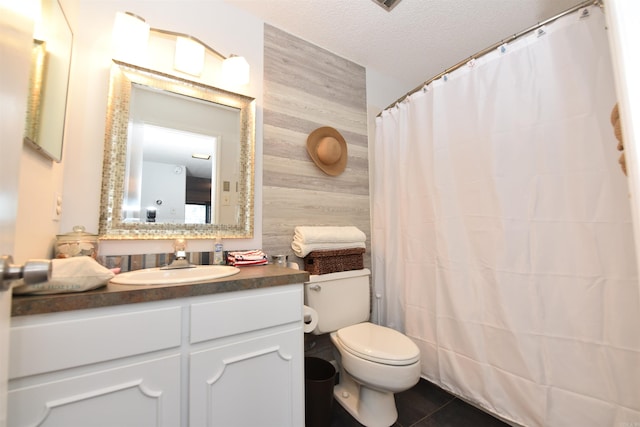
pixel 76 243
pixel 280 260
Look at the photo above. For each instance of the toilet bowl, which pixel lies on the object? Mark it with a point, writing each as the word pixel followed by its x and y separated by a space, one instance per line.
pixel 387 363
pixel 374 361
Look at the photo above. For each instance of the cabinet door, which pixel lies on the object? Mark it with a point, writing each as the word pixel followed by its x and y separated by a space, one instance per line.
pixel 256 381
pixel 136 394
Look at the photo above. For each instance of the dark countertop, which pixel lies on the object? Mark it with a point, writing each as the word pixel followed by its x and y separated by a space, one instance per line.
pixel 249 278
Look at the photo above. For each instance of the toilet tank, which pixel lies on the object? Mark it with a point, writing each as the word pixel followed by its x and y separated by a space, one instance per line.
pixel 340 299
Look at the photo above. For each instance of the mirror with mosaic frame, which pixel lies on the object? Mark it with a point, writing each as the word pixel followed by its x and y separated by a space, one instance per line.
pixel 143 189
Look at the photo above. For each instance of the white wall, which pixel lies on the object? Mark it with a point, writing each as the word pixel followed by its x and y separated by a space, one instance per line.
pixel 78 177
pixel 381 92
pixel 223 27
pixel 36 229
pixel 39 182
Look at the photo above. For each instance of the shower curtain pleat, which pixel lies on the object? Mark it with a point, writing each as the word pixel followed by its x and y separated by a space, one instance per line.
pixel 502 232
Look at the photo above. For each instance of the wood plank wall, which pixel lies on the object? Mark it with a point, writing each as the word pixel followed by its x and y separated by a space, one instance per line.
pixel 306 87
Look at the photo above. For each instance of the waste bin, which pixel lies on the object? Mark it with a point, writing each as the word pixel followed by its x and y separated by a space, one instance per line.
pixel 319 379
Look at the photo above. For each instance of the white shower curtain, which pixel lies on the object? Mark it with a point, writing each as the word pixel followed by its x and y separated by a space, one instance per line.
pixel 502 234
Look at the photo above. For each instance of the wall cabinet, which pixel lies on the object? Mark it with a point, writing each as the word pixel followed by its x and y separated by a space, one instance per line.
pixel 232 359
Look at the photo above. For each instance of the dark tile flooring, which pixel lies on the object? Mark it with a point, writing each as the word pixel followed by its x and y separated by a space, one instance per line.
pixel 426 405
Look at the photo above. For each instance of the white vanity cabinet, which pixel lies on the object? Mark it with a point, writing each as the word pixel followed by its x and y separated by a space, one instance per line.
pixel 115 366
pixel 246 360
pixel 227 359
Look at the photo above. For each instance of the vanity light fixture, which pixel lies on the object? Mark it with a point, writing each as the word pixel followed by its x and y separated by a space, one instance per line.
pixel 129 38
pixel 38 24
pixel 235 70
pixel 131 34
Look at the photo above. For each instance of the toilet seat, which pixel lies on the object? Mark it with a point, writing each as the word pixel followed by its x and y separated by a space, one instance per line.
pixel 379 344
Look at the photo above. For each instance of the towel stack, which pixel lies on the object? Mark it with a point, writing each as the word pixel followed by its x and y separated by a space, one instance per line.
pixel 256 257
pixel 308 239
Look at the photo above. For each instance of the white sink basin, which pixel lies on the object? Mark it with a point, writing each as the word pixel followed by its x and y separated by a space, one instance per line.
pixel 159 276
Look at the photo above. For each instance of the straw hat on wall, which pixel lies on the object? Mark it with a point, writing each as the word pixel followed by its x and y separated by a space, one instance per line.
pixel 328 149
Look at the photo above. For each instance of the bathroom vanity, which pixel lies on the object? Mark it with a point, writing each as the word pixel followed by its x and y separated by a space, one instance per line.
pixel 227 352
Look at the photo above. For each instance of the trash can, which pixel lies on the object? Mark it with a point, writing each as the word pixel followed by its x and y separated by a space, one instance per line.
pixel 319 379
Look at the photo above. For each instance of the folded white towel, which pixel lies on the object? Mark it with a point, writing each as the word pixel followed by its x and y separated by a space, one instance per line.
pixel 303 249
pixel 329 234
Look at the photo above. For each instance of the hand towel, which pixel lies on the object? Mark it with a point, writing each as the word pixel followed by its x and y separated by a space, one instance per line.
pixel 238 258
pixel 75 274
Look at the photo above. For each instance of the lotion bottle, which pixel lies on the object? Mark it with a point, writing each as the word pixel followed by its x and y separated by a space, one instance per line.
pixel 218 252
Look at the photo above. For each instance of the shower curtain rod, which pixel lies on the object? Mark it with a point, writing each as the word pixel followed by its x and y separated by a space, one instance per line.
pixel 492 47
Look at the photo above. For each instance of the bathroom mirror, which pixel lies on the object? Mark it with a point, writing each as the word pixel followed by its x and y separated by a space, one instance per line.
pixel 49 81
pixel 178 159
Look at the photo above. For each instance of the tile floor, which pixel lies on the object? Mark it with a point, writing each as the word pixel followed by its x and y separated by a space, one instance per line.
pixel 426 405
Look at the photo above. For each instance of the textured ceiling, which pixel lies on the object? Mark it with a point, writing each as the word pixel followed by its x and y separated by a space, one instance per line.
pixel 416 40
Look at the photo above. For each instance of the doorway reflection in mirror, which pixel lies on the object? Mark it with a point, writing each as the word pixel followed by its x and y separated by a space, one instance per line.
pixel 180 168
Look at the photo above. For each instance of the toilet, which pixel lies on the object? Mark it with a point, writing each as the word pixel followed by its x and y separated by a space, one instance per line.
pixel 374 361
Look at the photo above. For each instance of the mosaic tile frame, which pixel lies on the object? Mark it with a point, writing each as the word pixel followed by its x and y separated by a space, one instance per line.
pixel 36 89
pixel 111 226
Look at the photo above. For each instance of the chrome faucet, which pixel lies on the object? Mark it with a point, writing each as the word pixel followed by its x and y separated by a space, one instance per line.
pixel 180 256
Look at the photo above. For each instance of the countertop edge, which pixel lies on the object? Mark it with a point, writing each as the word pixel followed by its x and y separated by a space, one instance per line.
pixel 254 277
